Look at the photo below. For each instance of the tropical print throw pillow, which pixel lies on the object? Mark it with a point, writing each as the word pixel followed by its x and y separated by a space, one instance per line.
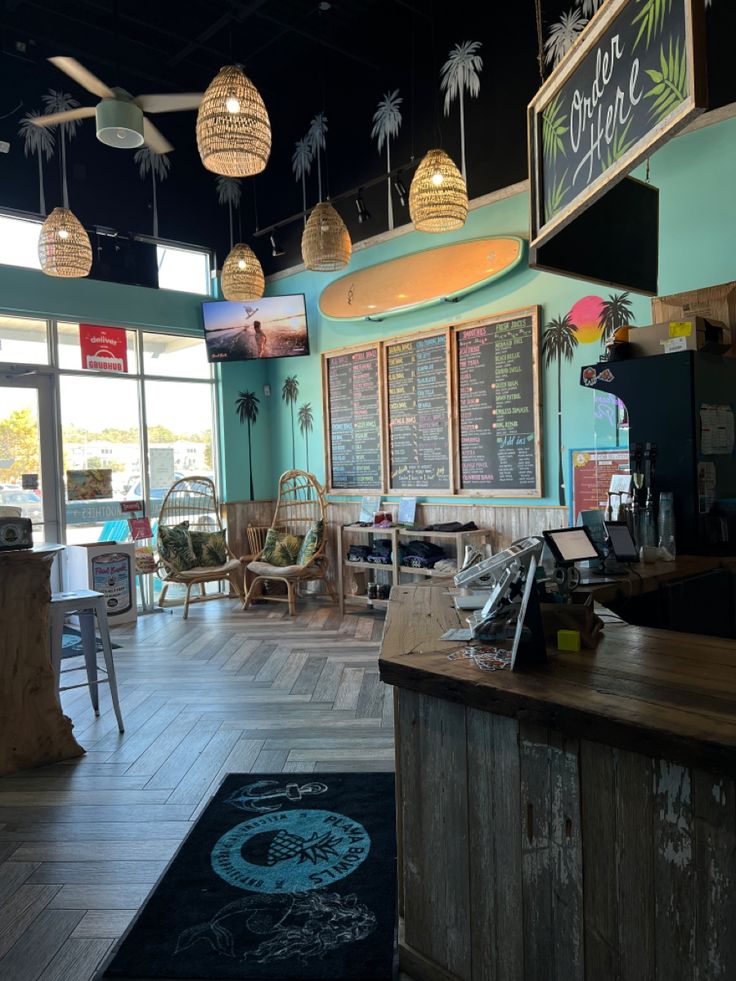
pixel 281 548
pixel 312 541
pixel 209 547
pixel 175 546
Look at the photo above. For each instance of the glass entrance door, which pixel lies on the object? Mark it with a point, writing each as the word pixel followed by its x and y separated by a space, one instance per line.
pixel 28 453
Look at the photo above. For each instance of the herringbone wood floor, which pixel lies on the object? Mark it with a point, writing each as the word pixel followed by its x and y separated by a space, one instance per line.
pixel 83 842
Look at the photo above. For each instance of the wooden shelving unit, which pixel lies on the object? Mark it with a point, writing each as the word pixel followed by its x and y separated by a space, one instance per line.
pixel 397 535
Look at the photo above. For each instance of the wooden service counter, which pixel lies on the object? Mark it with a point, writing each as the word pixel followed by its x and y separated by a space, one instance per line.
pixel 574 821
pixel 33 729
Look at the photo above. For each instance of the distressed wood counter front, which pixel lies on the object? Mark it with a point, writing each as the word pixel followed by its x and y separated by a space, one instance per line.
pixel 574 821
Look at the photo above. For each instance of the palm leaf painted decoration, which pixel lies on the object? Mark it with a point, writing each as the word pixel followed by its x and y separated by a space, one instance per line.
pixel 618 147
pixel 651 18
pixel 553 130
pixel 554 196
pixel 670 83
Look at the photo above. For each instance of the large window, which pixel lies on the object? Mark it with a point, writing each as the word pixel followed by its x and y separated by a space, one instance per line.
pixel 120 436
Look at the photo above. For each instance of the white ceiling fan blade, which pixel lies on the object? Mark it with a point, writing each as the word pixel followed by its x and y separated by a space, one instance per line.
pixel 63 117
pixel 155 139
pixel 175 102
pixel 85 78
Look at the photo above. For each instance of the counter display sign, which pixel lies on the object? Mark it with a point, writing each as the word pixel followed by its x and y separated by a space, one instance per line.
pixel 592 471
pixel 498 389
pixel 354 420
pixel 418 393
pixel 634 79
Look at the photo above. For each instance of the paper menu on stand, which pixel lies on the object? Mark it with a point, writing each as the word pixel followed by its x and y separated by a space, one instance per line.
pixel 716 430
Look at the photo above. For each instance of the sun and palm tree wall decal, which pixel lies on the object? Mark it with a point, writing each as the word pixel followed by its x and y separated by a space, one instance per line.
pixel 246 405
pixel 386 124
pixel 38 140
pixel 57 101
pixel 558 345
pixel 306 425
pixel 290 393
pixel 158 166
pixel 301 164
pixel 459 75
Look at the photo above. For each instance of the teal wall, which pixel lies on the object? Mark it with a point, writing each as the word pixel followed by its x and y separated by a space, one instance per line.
pixel 697 239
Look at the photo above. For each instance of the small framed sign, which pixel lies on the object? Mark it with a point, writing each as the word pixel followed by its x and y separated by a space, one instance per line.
pixel 634 78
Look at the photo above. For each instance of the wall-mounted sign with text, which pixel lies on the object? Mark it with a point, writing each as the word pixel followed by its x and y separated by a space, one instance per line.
pixel 103 348
pixel 635 77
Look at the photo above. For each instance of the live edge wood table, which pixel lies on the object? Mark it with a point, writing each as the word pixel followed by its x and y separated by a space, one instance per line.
pixel 33 729
pixel 574 821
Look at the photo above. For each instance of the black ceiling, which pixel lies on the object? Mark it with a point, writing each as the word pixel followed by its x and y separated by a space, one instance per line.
pixel 304 56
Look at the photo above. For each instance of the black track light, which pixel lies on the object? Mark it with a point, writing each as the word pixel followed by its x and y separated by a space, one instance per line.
pixel 363 213
pixel 276 249
pixel 400 191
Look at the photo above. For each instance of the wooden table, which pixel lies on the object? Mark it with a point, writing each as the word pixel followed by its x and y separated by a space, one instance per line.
pixel 575 821
pixel 33 729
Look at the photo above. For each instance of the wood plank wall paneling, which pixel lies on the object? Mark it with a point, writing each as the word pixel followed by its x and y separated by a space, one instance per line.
pixel 583 861
pixel 507 523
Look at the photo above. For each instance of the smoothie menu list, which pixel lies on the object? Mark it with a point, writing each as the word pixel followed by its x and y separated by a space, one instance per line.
pixel 497 418
pixel 355 420
pixel 417 411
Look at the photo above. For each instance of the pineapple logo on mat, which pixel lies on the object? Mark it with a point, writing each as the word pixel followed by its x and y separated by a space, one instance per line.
pixel 292 851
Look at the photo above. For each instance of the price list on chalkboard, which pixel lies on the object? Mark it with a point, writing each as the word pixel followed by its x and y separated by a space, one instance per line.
pixel 417 411
pixel 354 420
pixel 498 419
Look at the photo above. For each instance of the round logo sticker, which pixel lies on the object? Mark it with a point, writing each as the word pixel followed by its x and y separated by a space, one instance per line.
pixel 292 851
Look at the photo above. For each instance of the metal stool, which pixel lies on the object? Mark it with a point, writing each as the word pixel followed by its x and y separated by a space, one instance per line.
pixel 86 604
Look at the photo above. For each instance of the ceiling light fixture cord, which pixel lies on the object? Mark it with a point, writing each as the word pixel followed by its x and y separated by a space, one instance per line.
pixel 540 39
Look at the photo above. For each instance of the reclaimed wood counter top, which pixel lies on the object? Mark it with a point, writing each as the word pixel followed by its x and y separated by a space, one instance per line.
pixel 657 692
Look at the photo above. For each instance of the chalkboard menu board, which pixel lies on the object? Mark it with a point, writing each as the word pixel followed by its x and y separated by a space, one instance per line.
pixel 418 390
pixel 498 425
pixel 354 420
pixel 634 79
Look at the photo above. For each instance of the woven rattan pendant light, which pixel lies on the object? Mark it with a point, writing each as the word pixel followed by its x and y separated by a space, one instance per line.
pixel 438 197
pixel 233 128
pixel 242 275
pixel 63 246
pixel 326 244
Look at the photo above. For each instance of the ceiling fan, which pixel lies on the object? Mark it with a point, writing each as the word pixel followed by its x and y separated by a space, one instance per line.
pixel 119 116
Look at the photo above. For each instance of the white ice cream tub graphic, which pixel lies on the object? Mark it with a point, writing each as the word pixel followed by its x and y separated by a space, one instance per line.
pixel 108 568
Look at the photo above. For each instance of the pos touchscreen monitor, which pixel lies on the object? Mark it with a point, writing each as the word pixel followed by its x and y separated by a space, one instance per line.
pixel 570 545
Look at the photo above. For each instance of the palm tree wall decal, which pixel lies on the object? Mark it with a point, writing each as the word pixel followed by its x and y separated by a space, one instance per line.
pixel 38 140
pixel 563 34
pixel 317 142
pixel 459 75
pixel 229 192
pixel 301 164
pixel 56 101
pixel 306 425
pixel 615 312
pixel 290 393
pixel 158 165
pixel 246 405
pixel 386 123
pixel 558 343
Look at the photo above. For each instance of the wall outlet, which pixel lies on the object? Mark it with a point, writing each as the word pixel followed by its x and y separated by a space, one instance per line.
pixel 4 146
pixel 266 390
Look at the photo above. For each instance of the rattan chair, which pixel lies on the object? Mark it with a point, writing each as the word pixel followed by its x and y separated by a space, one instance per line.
pixel 301 503
pixel 194 499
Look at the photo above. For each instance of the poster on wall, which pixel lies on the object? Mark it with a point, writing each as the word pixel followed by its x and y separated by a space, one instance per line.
pixel 634 79
pixel 103 348
pixel 88 485
pixel 592 471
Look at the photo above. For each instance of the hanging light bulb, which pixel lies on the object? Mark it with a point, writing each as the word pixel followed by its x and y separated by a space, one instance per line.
pixel 63 246
pixel 242 275
pixel 233 128
pixel 438 197
pixel 326 244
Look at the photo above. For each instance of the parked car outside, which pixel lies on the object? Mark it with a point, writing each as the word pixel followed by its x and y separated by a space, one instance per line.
pixel 26 500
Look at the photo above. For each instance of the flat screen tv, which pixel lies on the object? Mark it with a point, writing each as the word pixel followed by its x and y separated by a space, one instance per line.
pixel 272 327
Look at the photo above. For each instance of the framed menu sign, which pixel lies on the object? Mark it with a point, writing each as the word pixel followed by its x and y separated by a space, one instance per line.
pixel 498 419
pixel 418 397
pixel 635 77
pixel 352 383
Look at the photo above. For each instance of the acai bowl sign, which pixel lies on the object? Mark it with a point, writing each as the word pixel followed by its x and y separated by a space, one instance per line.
pixel 634 78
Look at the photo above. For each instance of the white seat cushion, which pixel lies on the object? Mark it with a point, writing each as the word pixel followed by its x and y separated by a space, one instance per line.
pixel 214 571
pixel 283 571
